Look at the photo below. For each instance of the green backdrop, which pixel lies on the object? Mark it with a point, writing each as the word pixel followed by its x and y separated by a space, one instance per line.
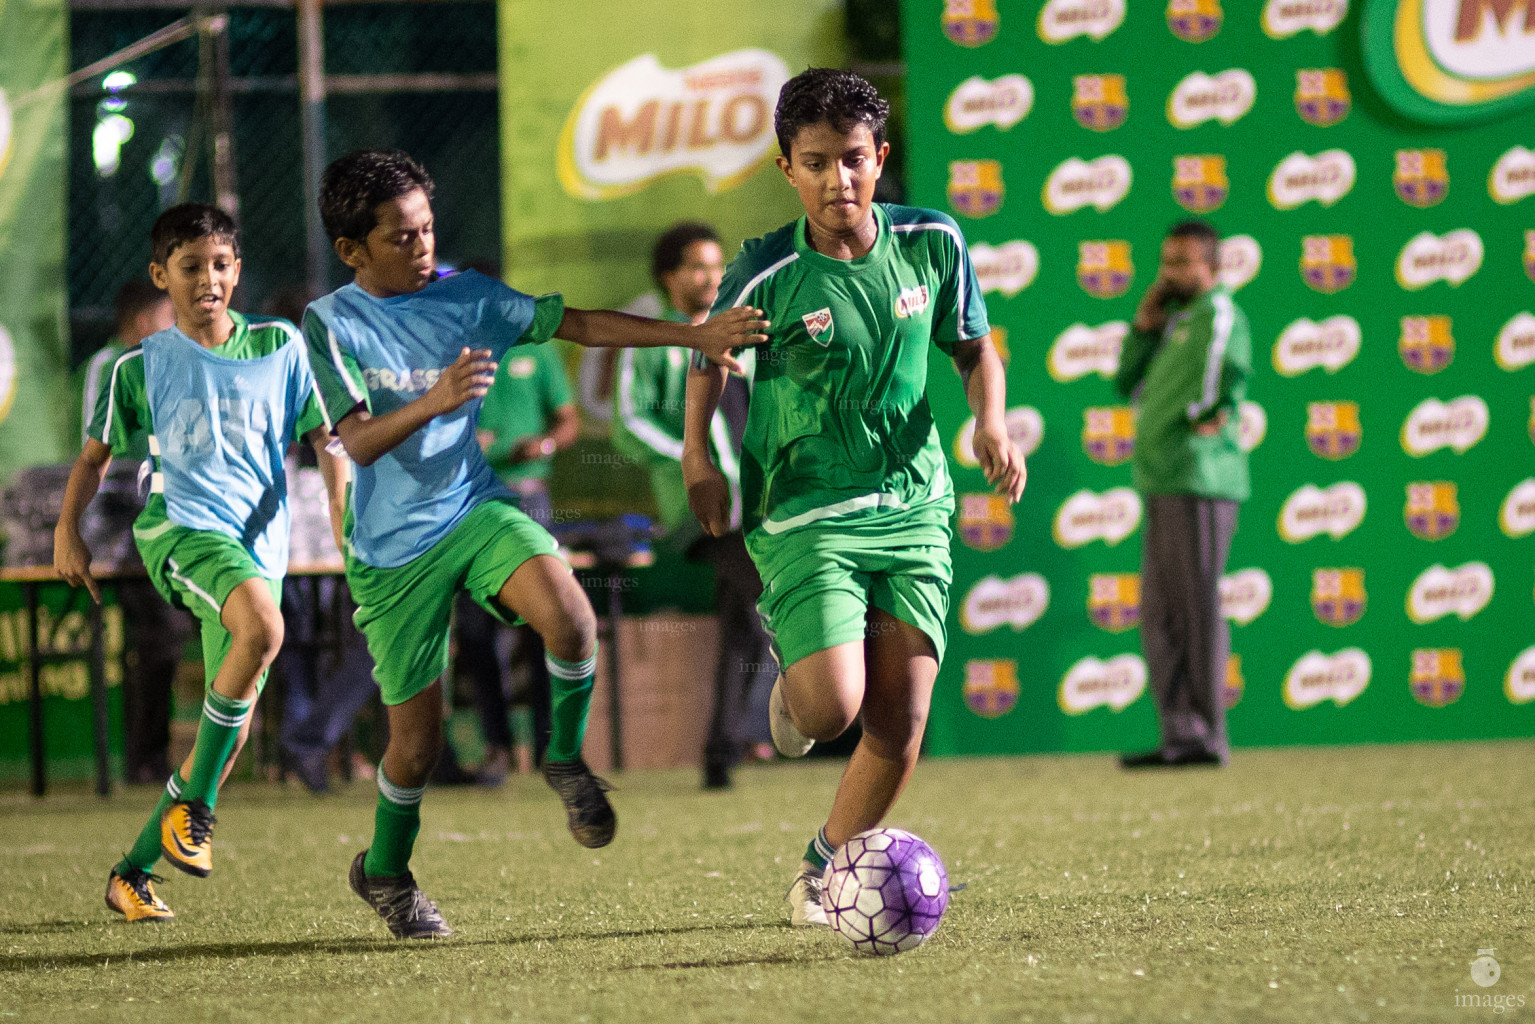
pixel 1380 242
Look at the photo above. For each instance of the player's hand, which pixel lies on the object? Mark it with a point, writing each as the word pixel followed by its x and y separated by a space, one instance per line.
pixel 732 329
pixel 529 449
pixel 1209 428
pixel 708 493
pixel 1151 314
pixel 72 561
pixel 470 376
pixel 1000 460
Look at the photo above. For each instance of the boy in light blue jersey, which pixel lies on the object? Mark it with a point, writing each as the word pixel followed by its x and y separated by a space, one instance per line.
pixel 844 485
pixel 403 358
pixel 219 397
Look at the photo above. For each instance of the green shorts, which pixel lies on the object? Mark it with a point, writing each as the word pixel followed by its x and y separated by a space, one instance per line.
pixel 405 612
pixel 198 570
pixel 821 583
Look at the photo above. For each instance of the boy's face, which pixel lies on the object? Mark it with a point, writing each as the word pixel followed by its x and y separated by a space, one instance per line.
pixel 696 281
pixel 399 256
pixel 1186 267
pixel 835 174
pixel 200 277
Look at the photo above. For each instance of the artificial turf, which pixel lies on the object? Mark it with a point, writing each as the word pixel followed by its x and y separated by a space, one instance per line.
pixel 1304 884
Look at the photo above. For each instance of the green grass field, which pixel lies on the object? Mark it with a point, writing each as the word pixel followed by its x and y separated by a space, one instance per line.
pixel 1312 885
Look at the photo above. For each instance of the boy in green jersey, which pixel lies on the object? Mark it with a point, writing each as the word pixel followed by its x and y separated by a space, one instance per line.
pixel 846 493
pixel 218 397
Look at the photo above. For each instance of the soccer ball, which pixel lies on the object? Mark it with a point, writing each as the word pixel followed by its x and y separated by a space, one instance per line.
pixel 886 891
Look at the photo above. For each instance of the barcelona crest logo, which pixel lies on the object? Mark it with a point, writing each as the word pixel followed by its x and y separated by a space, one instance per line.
pixel 1432 510
pixel 1426 344
pixel 1529 254
pixel 1422 178
pixel 970 22
pixel 1200 183
pixel 1104 269
pixel 1438 677
pixel 1332 429
pixel 1327 262
pixel 1234 684
pixel 991 686
pixel 1194 21
pixel 1114 600
pixel 1321 95
pixel 1337 596
pixel 1099 102
pixel 985 521
pixel 975 187
pixel 1108 434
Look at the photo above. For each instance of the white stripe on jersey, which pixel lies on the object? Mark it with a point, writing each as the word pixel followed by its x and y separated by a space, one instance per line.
pixel 106 428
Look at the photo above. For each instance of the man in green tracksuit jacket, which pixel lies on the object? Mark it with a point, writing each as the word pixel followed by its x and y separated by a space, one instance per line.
pixel 1187 361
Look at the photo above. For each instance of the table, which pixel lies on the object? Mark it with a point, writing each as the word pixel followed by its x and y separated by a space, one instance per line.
pixel 31 578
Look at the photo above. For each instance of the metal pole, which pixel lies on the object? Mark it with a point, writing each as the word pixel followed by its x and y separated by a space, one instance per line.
pixel 311 87
pixel 225 194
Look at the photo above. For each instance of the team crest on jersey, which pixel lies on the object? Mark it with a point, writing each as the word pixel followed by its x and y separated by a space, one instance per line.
pixel 521 368
pixel 975 187
pixel 911 302
pixel 985 521
pixel 1114 600
pixel 1234 684
pixel 1438 676
pixel 1321 95
pixel 1337 596
pixel 1433 509
pixel 820 326
pixel 1194 21
pixel 1421 177
pixel 1104 269
pixel 1108 434
pixel 1333 430
pixel 1099 102
pixel 970 22
pixel 991 686
pixel 1426 344
pixel 1200 184
pixel 1327 262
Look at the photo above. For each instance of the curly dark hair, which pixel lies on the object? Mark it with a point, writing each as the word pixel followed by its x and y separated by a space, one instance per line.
pixel 669 248
pixel 353 187
pixel 840 98
pixel 188 222
pixel 1202 231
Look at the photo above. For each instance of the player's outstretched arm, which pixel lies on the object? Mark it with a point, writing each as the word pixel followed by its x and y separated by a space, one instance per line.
pixel 986 390
pixel 366 437
pixel 71 556
pixel 708 491
pixel 715 337
pixel 336 471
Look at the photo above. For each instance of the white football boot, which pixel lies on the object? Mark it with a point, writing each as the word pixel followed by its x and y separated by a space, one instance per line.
pixel 805 910
pixel 788 740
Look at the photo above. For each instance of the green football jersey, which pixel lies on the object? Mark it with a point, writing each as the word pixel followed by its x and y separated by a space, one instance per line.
pixel 530 385
pixel 840 433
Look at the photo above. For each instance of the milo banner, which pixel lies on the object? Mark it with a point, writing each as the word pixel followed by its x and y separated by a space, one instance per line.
pixel 33 348
pixel 1371 167
pixel 619 119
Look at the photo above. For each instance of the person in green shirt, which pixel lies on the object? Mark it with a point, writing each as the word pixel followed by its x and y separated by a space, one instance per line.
pixel 1186 362
pixel 526 417
pixel 649 395
pixel 846 492
pixel 155 632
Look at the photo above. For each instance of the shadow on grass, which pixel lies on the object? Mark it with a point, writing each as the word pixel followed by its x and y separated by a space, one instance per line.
pixel 306 947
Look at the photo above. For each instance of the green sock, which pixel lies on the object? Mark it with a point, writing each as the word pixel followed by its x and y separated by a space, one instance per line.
pixel 820 851
pixel 146 848
pixel 395 824
pixel 570 688
pixel 216 736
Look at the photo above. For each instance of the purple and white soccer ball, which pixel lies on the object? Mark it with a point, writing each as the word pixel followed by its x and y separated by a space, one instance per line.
pixel 886 890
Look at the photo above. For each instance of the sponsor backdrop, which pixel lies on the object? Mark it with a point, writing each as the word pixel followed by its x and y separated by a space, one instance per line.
pixel 619 119
pixel 1370 166
pixel 33 350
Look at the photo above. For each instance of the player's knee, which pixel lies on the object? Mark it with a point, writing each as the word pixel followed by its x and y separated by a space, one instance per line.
pixel 414 759
pixel 896 738
pixel 824 721
pixel 574 636
pixel 260 632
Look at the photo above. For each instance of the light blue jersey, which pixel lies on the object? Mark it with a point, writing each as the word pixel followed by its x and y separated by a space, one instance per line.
pixel 218 428
pixel 382 354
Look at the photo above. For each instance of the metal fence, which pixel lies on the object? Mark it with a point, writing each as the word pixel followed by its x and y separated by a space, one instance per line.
pixel 416 76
